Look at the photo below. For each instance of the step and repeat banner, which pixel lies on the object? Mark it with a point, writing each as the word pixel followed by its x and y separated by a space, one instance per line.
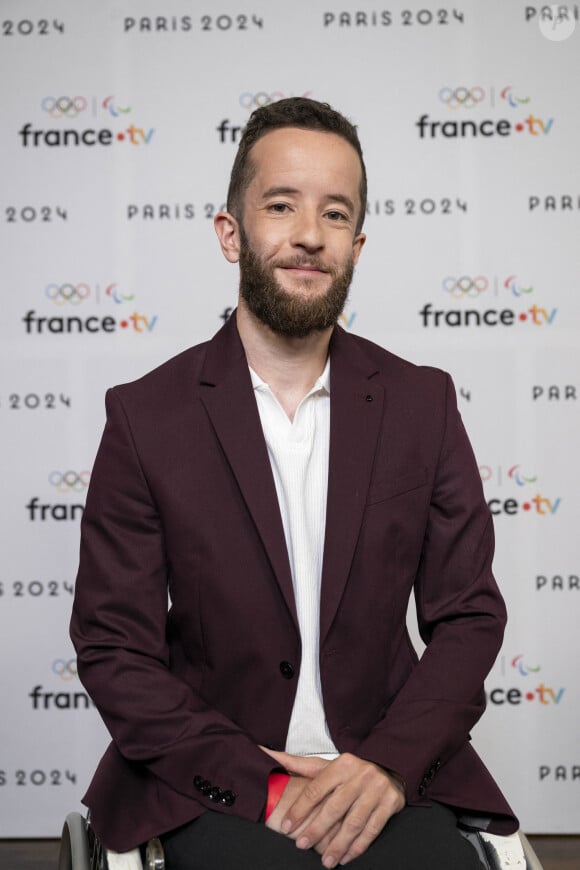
pixel 120 122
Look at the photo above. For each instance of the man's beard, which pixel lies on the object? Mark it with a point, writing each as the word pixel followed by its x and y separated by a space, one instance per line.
pixel 294 315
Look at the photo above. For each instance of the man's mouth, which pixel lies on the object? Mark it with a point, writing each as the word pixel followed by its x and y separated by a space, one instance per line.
pixel 304 269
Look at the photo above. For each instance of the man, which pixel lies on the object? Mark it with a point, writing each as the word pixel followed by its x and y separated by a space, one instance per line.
pixel 290 485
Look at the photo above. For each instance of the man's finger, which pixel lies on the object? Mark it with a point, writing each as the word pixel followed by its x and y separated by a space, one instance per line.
pixel 322 845
pixel 332 785
pixel 356 795
pixel 301 765
pixel 355 835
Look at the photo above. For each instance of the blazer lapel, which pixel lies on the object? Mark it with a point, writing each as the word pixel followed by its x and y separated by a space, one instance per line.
pixel 356 411
pixel 227 396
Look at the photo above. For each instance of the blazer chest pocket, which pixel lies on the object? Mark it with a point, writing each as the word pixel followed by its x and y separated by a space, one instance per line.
pixel 389 487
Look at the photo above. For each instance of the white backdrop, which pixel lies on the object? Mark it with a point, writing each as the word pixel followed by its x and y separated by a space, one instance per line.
pixel 119 126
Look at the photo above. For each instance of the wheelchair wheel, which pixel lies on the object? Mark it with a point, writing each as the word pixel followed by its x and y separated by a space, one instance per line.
pixel 79 848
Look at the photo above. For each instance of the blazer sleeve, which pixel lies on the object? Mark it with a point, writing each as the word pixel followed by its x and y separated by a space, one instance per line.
pixel 461 617
pixel 118 628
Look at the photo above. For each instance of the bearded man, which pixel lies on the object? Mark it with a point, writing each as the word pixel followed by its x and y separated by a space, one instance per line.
pixel 290 485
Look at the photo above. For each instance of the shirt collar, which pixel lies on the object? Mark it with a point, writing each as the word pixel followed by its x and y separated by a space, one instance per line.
pixel 322 383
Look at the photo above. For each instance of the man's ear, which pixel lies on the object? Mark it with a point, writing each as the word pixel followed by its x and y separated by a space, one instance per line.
pixel 357 246
pixel 228 233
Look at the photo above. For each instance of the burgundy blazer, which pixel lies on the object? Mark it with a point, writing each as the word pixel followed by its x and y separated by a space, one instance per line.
pixel 182 500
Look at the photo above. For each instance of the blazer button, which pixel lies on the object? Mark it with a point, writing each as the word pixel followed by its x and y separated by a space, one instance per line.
pixel 421 790
pixel 215 793
pixel 287 670
pixel 228 798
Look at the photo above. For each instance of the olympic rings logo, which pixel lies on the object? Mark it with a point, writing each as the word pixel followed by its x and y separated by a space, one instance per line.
pixel 256 101
pixel 66 670
pixel 59 107
pixel 63 293
pixel 461 97
pixel 465 286
pixel 65 481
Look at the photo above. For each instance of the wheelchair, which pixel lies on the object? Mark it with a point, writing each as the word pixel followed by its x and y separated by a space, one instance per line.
pixel 81 850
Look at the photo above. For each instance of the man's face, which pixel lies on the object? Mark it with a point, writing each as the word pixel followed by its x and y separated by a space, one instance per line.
pixel 297 237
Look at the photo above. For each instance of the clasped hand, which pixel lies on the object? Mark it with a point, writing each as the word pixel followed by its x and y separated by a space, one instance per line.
pixel 335 807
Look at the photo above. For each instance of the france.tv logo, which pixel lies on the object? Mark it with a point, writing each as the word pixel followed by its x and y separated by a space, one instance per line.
pixel 65 109
pixel 83 295
pixel 464 101
pixel 512 304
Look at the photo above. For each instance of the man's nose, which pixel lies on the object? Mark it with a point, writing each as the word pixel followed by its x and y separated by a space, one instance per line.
pixel 308 232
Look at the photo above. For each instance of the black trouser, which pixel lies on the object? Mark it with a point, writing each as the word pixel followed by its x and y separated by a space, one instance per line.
pixel 418 838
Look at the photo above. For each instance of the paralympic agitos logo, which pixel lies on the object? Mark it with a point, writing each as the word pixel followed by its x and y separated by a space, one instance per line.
pixel 487 301
pixel 79 297
pixel 83 110
pixel 467 103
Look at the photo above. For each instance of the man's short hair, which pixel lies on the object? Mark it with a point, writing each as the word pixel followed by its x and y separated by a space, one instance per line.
pixel 292 112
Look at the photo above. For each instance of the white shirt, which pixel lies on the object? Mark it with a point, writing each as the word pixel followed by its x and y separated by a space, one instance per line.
pixel 298 452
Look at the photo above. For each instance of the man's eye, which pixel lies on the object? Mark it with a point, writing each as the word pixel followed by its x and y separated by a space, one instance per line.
pixel 336 216
pixel 278 207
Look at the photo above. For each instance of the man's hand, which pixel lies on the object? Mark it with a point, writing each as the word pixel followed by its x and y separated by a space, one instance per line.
pixel 337 807
pixel 291 793
pixel 311 767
